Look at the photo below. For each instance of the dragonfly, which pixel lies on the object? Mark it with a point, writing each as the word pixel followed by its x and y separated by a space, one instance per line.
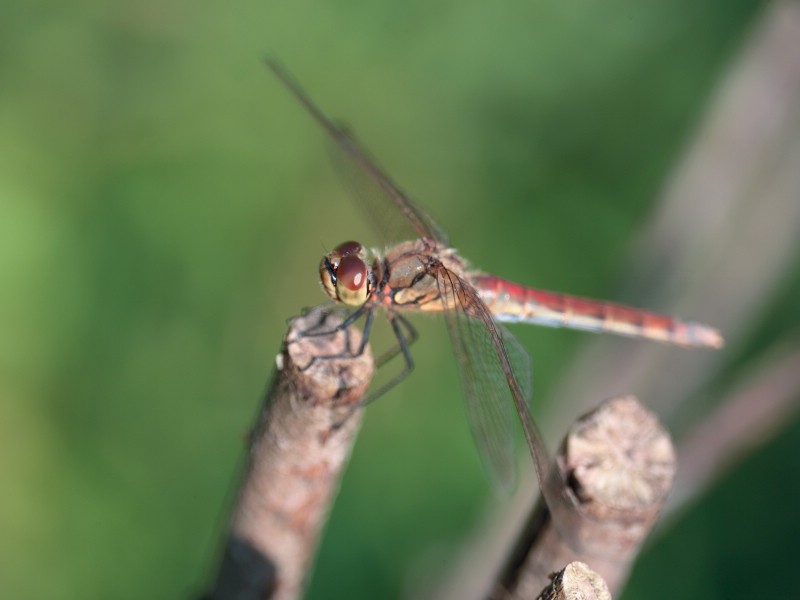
pixel 424 274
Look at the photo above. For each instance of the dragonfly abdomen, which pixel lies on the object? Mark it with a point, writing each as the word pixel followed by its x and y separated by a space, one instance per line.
pixel 511 302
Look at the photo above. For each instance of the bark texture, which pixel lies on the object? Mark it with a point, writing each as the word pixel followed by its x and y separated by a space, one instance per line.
pixel 298 451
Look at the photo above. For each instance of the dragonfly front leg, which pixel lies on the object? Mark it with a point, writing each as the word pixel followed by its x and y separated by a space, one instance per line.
pixel 412 337
pixel 325 312
pixel 402 348
pixel 343 326
pixel 397 322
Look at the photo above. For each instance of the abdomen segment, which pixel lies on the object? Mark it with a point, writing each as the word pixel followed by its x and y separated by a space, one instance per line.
pixel 510 302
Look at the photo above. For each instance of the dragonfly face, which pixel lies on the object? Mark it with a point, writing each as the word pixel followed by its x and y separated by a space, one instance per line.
pixel 345 276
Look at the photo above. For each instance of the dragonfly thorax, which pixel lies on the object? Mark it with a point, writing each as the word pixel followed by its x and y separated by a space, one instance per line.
pixel 345 275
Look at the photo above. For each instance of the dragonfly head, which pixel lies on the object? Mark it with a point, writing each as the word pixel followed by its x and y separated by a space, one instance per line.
pixel 345 276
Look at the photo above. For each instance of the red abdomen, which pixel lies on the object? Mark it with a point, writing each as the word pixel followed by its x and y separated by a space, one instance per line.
pixel 511 302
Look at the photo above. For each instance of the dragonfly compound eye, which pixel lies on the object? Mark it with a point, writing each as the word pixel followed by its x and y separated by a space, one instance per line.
pixel 351 280
pixel 348 249
pixel 327 276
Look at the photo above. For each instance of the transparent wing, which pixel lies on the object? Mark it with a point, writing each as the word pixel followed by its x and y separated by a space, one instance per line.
pixel 373 187
pixel 496 374
pixel 368 187
pixel 520 361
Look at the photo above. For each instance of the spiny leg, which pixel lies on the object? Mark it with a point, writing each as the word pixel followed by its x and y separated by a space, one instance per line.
pixel 344 326
pixel 352 318
pixel 412 337
pixel 402 347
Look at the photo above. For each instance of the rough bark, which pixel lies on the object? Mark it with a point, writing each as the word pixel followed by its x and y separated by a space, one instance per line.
pixel 619 464
pixel 298 450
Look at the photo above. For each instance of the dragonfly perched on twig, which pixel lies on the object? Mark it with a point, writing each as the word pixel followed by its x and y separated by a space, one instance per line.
pixel 425 274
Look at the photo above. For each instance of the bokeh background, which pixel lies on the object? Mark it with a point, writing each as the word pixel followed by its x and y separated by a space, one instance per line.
pixel 163 208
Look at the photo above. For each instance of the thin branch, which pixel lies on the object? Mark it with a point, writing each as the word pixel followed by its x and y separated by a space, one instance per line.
pixel 298 450
pixel 761 406
pixel 619 465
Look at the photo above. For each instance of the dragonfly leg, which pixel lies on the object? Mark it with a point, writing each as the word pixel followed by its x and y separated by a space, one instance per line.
pixel 315 331
pixel 411 337
pixel 401 348
pixel 343 326
pixel 365 333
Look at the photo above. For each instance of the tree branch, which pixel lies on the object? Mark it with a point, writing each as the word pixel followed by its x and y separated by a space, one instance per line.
pixel 750 415
pixel 619 465
pixel 298 450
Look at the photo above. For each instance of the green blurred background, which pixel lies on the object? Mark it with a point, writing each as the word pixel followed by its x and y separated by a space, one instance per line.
pixel 163 208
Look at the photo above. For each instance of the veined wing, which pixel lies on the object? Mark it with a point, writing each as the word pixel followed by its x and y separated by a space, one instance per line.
pixel 491 383
pixel 386 190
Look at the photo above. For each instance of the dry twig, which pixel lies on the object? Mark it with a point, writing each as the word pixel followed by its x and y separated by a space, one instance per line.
pixel 298 450
pixel 752 414
pixel 619 465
